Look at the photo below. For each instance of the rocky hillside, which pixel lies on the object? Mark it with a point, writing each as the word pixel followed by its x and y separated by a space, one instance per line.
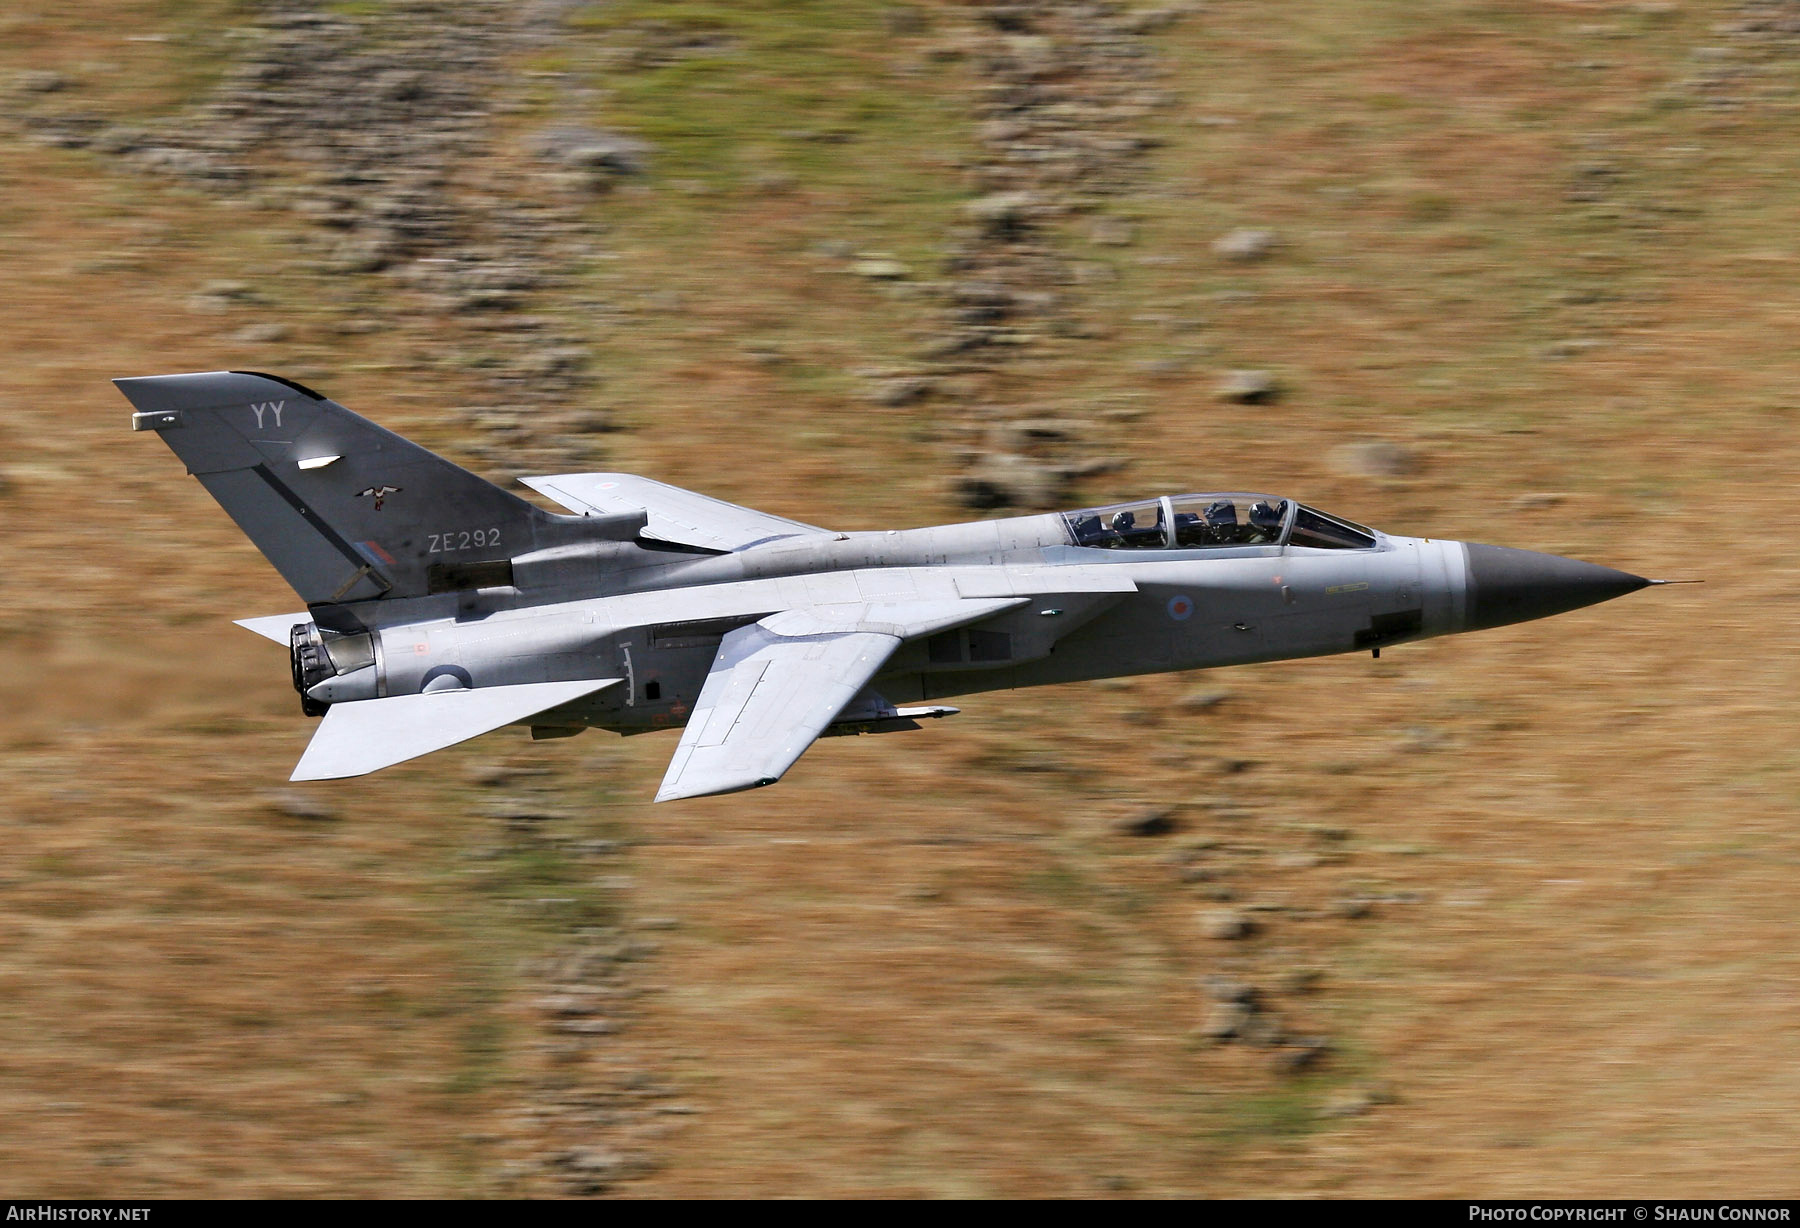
pixel 1491 916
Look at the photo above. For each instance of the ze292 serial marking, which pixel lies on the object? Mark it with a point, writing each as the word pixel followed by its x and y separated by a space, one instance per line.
pixel 463 539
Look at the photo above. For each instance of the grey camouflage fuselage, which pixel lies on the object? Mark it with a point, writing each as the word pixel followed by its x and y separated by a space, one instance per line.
pixel 1190 610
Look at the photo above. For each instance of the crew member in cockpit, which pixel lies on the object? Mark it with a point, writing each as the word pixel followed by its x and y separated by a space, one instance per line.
pixel 1265 521
pixel 1221 522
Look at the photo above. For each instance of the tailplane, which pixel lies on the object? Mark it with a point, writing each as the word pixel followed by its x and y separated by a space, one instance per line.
pixel 361 737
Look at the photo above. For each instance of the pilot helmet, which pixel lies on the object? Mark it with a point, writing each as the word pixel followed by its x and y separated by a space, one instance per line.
pixel 1265 515
pixel 1222 512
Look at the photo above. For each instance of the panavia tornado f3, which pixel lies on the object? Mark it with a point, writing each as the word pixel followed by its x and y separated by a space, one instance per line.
pixel 440 607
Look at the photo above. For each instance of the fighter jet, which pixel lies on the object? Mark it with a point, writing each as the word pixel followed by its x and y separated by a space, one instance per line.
pixel 440 607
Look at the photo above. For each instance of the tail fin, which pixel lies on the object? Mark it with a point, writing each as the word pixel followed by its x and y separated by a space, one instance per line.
pixel 345 510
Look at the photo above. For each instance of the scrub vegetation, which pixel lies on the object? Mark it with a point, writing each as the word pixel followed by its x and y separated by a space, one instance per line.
pixel 1505 915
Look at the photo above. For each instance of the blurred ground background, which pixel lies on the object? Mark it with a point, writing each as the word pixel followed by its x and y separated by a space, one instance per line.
pixel 1503 915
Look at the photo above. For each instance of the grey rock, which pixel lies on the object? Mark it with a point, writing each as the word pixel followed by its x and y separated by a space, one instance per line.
pixel 893 393
pixel 1156 821
pixel 1263 1030
pixel 296 804
pixel 567 1005
pixel 1353 1102
pixel 1375 459
pixel 767 355
pixel 42 82
pixel 491 774
pixel 552 361
pixel 984 302
pixel 1226 924
pixel 487 299
pixel 1228 989
pixel 1001 131
pixel 1171 364
pixel 1298 1054
pixel 118 140
pixel 880 268
pixel 182 163
pixel 62 131
pixel 903 20
pixel 1245 245
pixel 1003 214
pixel 591 422
pixel 1571 347
pixel 1201 701
pixel 1423 738
pixel 1356 1101
pixel 1006 479
pixel 1112 232
pixel 1027 433
pixel 595 149
pixel 401 84
pixel 1301 980
pixel 1538 501
pixel 595 1168
pixel 520 810
pixel 1249 387
pixel 261 334
pixel 1151 20
pixel 1227 1021
pixel 229 292
pixel 774 183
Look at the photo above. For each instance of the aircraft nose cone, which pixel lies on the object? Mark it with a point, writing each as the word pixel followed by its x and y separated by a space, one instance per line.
pixel 1514 586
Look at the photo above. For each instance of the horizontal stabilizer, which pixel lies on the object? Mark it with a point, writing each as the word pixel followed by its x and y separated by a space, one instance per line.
pixel 274 626
pixel 674 514
pixel 357 738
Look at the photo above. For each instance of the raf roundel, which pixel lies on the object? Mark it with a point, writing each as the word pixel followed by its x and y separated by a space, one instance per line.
pixel 1181 608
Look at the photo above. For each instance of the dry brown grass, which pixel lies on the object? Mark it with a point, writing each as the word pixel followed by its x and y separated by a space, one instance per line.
pixel 921 966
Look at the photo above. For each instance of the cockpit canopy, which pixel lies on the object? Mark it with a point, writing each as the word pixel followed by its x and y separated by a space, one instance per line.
pixel 1211 522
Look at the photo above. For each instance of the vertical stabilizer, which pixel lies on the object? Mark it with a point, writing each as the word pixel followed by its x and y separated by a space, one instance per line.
pixel 345 510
